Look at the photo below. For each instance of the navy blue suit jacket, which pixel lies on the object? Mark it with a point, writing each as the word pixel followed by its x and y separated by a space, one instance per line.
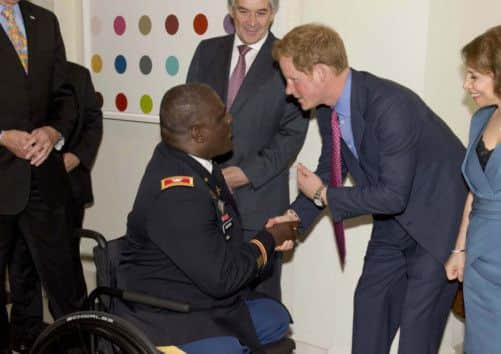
pixel 408 167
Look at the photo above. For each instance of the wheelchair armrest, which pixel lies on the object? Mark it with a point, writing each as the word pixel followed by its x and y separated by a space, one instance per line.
pixel 138 298
pixel 94 235
pixel 155 301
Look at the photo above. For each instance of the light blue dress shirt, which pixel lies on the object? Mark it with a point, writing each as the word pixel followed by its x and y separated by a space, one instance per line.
pixel 18 17
pixel 343 110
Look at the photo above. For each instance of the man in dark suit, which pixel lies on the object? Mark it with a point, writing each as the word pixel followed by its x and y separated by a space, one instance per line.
pixel 405 162
pixel 79 154
pixel 36 116
pixel 268 128
pixel 81 151
pixel 184 239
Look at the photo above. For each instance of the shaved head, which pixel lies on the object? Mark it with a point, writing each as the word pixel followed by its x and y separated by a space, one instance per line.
pixel 184 106
pixel 194 119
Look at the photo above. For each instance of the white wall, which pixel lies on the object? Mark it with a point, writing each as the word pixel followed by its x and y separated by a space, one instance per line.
pixel 415 42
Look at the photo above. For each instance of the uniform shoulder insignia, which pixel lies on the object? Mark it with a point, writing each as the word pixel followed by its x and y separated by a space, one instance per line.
pixel 176 181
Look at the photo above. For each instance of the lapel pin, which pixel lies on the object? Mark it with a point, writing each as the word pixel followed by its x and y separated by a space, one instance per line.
pixel 32 17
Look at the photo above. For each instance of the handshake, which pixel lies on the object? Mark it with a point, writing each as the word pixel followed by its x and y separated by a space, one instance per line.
pixel 284 230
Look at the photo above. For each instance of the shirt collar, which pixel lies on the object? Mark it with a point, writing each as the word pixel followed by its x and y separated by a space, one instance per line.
pixel 255 46
pixel 207 164
pixel 343 104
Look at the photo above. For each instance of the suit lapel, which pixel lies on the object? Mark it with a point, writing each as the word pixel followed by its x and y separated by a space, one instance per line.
pixel 30 24
pixel 475 175
pixel 358 108
pixel 261 70
pixel 222 61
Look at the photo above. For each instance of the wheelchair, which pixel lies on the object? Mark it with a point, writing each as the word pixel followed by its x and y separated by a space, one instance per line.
pixel 98 331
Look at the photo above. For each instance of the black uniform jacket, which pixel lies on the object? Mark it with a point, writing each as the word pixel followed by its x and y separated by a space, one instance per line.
pixel 185 243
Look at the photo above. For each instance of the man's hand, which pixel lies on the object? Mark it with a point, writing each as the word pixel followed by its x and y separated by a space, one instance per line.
pixel 286 246
pixel 234 177
pixel 15 141
pixel 40 144
pixel 286 217
pixel 307 182
pixel 70 161
pixel 454 267
pixel 284 234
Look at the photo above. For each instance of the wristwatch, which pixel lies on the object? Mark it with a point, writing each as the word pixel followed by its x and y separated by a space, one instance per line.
pixel 317 197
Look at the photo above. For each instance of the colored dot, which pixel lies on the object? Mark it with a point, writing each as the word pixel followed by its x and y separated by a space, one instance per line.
pixel 121 102
pixel 119 25
pixel 172 65
pixel 100 99
pixel 145 65
pixel 146 104
pixel 96 25
pixel 200 24
pixel 228 25
pixel 96 63
pixel 120 64
pixel 145 25
pixel 171 24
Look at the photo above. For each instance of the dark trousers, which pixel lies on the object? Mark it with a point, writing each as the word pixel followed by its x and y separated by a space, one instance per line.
pixel 39 244
pixel 401 286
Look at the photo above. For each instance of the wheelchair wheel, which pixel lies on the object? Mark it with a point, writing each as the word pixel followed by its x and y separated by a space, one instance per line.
pixel 92 332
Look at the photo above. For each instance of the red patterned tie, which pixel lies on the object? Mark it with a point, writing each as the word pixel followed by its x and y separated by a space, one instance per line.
pixel 237 77
pixel 337 181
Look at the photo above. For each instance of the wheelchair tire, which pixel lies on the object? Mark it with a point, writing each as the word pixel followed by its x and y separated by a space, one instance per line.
pixel 92 332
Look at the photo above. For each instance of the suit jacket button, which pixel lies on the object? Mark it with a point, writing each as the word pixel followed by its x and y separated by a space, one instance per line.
pixel 227 237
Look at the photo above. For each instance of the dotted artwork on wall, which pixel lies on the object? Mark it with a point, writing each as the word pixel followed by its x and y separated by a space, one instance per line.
pixel 136 50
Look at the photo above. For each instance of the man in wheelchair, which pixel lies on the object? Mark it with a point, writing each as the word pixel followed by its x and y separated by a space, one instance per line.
pixel 184 239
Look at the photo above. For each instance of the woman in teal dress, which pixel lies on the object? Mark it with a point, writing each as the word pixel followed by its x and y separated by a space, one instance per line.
pixel 477 254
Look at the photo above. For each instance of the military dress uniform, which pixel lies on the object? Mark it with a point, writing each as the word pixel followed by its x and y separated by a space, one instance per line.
pixel 185 243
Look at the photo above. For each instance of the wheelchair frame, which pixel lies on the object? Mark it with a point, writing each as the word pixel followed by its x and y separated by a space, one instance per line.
pixel 116 331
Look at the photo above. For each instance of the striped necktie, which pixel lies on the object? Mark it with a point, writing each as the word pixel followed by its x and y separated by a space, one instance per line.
pixel 16 37
pixel 237 77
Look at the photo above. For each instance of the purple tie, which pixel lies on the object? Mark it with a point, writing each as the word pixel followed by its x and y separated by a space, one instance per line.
pixel 237 77
pixel 337 181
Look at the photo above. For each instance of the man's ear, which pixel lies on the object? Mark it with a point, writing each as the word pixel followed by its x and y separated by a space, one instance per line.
pixel 320 72
pixel 197 134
